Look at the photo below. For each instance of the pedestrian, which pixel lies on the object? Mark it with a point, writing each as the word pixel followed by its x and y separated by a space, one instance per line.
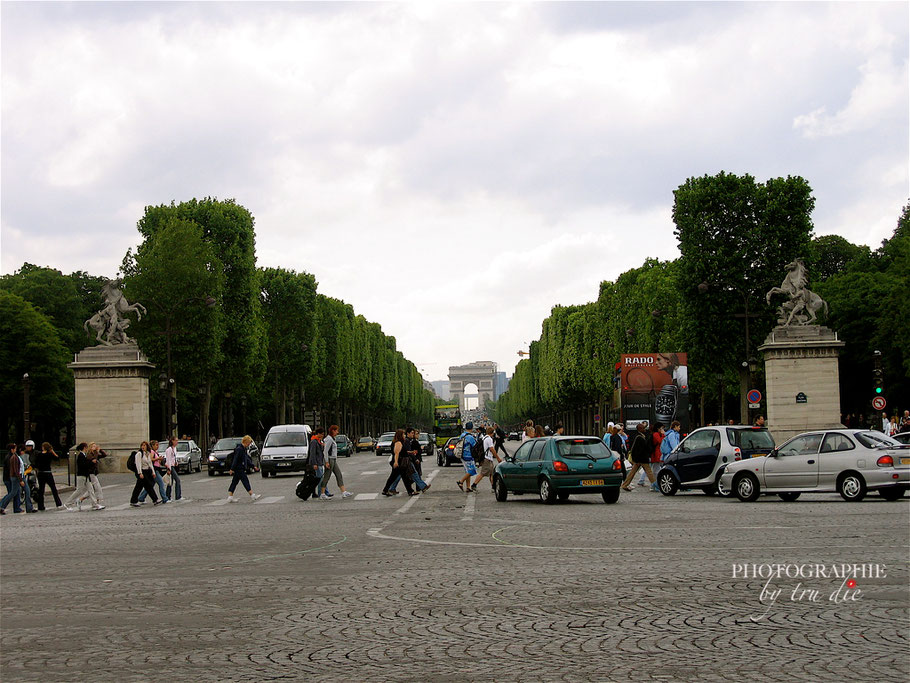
pixel 94 455
pixel 31 468
pixel 892 426
pixel 316 459
pixel 640 453
pixel 528 432
pixel 158 471
pixel 43 462
pixel 241 464
pixel 616 443
pixel 499 440
pixel 84 487
pixel 26 469
pixel 657 439
pixel 170 463
pixel 886 423
pixel 13 480
pixel 539 431
pixel 412 449
pixel 330 453
pixel 905 422
pixel 490 458
pixel 400 466
pixel 467 460
pixel 145 478
pixel 560 429
pixel 760 421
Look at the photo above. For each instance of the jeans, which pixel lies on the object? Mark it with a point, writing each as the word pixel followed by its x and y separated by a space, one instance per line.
pixel 47 479
pixel 320 474
pixel 242 478
pixel 418 481
pixel 160 481
pixel 175 482
pixel 12 494
pixel 25 491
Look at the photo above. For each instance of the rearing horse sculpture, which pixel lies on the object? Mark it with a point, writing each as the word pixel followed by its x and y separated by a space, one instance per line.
pixel 804 304
pixel 111 321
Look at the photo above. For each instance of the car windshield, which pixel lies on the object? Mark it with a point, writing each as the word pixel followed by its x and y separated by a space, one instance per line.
pixel 582 448
pixel 749 437
pixel 182 446
pixel 226 444
pixel 286 439
pixel 875 439
pixel 423 437
pixel 341 438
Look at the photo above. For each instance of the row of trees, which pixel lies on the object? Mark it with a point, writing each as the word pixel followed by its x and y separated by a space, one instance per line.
pixel 735 237
pixel 231 335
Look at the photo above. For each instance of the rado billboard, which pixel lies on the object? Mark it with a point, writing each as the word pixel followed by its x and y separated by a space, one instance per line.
pixel 655 388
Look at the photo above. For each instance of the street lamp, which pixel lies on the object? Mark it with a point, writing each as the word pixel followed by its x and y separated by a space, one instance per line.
pixel 26 417
pixel 162 384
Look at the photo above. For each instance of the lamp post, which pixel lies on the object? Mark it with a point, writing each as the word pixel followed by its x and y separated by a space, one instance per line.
pixel 162 384
pixel 26 417
pixel 230 413
pixel 243 414
pixel 172 411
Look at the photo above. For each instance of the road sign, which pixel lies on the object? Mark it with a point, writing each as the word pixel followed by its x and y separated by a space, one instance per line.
pixel 802 398
pixel 755 406
pixel 879 402
pixel 597 418
pixel 754 396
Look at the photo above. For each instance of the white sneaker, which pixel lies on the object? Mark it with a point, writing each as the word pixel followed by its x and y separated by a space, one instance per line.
pixel 346 494
pixel 324 497
pixel 184 500
pixel 255 496
pixel 62 507
pixel 230 499
pixel 97 507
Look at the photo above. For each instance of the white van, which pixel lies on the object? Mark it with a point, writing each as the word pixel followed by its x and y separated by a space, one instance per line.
pixel 285 449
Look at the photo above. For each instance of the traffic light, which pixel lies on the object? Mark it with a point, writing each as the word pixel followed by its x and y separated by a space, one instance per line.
pixel 877 375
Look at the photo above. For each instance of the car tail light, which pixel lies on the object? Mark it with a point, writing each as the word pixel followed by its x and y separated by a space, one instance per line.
pixel 560 466
pixel 737 454
pixel 885 461
pixel 617 465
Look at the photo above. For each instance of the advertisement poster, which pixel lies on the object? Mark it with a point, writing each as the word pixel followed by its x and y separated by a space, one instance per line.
pixel 655 388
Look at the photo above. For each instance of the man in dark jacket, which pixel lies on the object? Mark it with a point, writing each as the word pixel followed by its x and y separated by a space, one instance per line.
pixel 316 459
pixel 242 464
pixel 84 488
pixel 12 479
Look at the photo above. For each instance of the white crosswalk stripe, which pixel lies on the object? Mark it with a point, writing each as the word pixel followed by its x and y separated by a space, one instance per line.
pixel 220 501
pixel 366 496
pixel 119 507
pixel 369 472
pixel 268 500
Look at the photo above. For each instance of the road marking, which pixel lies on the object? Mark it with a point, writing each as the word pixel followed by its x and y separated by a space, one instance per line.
pixel 268 500
pixel 468 514
pixel 366 496
pixel 369 472
pixel 120 507
pixel 110 486
pixel 220 501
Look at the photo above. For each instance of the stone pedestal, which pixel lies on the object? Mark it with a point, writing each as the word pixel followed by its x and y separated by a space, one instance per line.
pixel 802 380
pixel 112 400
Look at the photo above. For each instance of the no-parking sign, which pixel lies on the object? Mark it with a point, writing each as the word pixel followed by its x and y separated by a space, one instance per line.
pixel 754 396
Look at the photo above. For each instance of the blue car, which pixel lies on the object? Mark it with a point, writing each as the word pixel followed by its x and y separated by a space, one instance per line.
pixel 556 467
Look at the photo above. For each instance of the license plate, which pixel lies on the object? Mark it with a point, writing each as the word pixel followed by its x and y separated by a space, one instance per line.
pixel 284 464
pixel 905 461
pixel 759 455
pixel 592 482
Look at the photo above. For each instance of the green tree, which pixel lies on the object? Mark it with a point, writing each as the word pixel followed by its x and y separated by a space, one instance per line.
pixel 832 254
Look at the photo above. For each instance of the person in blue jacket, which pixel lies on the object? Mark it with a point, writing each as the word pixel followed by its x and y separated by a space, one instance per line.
pixel 242 464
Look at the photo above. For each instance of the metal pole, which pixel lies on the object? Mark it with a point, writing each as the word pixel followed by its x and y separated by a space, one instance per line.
pixel 26 417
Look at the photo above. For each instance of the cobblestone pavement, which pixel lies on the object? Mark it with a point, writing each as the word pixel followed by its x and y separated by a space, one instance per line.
pixel 448 586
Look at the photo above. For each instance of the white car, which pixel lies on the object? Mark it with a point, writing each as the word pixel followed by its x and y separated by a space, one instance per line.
pixel 189 456
pixel 849 461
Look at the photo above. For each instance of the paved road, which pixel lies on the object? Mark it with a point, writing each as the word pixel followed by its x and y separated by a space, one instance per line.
pixel 447 586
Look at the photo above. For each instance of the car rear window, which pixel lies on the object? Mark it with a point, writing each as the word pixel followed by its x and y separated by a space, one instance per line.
pixel 226 444
pixel 750 438
pixel 582 448
pixel 285 439
pixel 873 439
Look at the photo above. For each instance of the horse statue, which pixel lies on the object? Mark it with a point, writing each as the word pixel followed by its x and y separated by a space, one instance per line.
pixel 804 304
pixel 111 321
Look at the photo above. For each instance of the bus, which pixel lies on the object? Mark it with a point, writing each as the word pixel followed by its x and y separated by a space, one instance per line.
pixel 447 423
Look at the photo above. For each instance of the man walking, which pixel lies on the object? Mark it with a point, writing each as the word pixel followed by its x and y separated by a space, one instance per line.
pixel 330 455
pixel 467 460
pixel 13 480
pixel 316 460
pixel 490 458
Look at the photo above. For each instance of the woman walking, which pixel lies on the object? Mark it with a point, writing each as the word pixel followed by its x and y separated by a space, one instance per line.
pixel 657 439
pixel 13 479
pixel 145 478
pixel 330 456
pixel 400 465
pixel 640 453
pixel 84 487
pixel 94 455
pixel 239 467
pixel 43 462
pixel 170 462
pixel 157 461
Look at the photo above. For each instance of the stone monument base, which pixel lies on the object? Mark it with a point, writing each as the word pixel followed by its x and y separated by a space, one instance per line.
pixel 802 380
pixel 112 400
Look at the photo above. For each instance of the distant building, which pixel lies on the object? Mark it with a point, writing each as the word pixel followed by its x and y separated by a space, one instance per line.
pixel 500 385
pixel 441 387
pixel 480 373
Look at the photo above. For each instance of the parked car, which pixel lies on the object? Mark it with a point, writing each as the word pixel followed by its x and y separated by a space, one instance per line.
pixel 365 443
pixel 697 462
pixel 345 447
pixel 189 456
pixel 514 436
pixel 848 461
pixel 222 454
pixel 449 453
pixel 285 450
pixel 427 445
pixel 903 437
pixel 384 443
pixel 558 466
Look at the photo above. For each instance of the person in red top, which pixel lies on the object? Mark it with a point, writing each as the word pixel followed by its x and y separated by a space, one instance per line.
pixel 657 437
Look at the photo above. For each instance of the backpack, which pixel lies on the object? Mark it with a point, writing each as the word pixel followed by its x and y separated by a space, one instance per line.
pixel 131 463
pixel 477 450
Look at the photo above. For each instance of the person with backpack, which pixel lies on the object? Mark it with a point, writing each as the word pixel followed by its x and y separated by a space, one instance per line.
pixel 486 450
pixel 140 464
pixel 157 473
pixel 242 464
pixel 468 442
pixel 499 440
pixel 640 453
pixel 84 487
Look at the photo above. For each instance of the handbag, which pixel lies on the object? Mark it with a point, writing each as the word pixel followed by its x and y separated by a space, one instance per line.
pixel 167 478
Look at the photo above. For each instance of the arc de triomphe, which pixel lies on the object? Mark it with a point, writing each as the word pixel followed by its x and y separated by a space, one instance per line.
pixel 482 373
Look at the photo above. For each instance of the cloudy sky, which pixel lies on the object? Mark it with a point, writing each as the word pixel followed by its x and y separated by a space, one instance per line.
pixel 515 154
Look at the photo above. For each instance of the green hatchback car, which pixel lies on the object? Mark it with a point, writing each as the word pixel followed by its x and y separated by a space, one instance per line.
pixel 345 447
pixel 559 466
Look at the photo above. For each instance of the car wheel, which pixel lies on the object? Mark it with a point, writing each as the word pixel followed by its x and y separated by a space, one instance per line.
pixel 746 487
pixel 562 496
pixel 546 491
pixel 499 488
pixel 789 497
pixel 610 496
pixel 265 475
pixel 851 487
pixel 667 483
pixel 719 487
pixel 211 473
pixel 441 460
pixel 891 493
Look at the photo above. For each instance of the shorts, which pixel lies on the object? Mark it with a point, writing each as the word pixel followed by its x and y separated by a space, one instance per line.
pixel 486 469
pixel 469 466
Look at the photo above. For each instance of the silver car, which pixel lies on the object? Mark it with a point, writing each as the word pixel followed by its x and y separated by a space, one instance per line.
pixel 189 456
pixel 848 461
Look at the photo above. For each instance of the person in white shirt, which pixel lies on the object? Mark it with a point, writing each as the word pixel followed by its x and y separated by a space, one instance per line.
pixel 490 458
pixel 170 461
pixel 145 478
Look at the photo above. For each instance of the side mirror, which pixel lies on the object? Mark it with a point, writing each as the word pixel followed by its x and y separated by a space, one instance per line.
pixel 773 453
